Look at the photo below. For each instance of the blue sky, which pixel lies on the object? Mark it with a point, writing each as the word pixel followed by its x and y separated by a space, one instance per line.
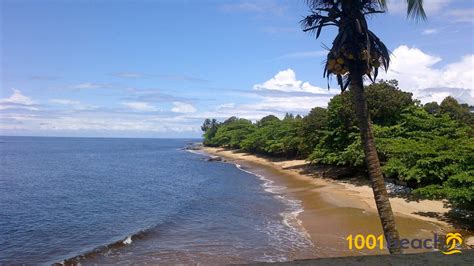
pixel 158 68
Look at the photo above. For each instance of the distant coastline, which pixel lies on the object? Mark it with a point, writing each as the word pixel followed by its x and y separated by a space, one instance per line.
pixel 330 202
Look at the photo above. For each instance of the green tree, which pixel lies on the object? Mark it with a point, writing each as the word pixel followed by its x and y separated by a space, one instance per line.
pixel 432 153
pixel 340 143
pixel 459 112
pixel 432 108
pixel 312 130
pixel 230 120
pixel 356 52
pixel 289 116
pixel 267 119
pixel 210 128
pixel 233 132
pixel 386 102
pixel 275 138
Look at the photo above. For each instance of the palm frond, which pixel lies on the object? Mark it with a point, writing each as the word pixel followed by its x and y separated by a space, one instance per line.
pixel 379 4
pixel 355 46
pixel 315 23
pixel 382 3
pixel 379 48
pixel 317 4
pixel 415 10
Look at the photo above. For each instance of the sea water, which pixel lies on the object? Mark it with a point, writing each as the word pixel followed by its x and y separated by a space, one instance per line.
pixel 110 200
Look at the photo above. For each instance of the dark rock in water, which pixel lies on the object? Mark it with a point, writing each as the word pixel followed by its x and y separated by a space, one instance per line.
pixel 214 159
pixel 193 146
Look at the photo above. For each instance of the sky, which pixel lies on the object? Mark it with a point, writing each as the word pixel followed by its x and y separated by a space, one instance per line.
pixel 149 68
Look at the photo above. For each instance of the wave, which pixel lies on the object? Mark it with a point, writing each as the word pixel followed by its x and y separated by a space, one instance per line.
pixel 198 152
pixel 287 230
pixel 123 242
pixel 289 217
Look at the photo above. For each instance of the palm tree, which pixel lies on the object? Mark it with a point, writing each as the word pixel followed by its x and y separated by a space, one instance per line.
pixel 357 52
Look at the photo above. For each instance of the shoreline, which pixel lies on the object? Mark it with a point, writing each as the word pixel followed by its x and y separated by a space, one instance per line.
pixel 333 209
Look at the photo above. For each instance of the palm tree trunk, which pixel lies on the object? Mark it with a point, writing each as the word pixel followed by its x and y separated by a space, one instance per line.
pixel 373 165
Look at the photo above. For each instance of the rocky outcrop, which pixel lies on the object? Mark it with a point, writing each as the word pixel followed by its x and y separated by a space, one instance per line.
pixel 193 146
pixel 214 159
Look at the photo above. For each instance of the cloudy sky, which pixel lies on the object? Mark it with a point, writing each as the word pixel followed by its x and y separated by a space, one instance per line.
pixel 158 68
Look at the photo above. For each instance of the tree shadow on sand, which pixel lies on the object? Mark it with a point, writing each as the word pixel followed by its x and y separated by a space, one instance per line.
pixel 459 218
pixel 462 219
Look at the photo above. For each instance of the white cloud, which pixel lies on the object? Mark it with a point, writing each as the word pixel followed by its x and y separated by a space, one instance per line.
pixel 225 106
pixel 17 100
pixel 76 105
pixel 431 6
pixel 429 31
pixel 434 6
pixel 461 15
pixel 140 106
pixel 298 104
pixel 89 85
pixel 99 122
pixel 286 81
pixel 180 107
pixel 268 105
pixel 130 75
pixel 282 93
pixel 110 124
pixel 64 101
pixel 417 72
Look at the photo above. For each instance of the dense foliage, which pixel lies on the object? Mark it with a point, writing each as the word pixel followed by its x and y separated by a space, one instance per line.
pixel 430 147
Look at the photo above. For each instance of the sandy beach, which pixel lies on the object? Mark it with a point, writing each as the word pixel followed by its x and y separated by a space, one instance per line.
pixel 334 209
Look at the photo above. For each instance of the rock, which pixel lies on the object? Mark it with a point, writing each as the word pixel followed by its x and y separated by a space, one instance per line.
pixel 193 146
pixel 395 189
pixel 214 159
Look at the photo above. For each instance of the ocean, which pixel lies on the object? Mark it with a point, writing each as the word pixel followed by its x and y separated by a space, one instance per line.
pixel 110 200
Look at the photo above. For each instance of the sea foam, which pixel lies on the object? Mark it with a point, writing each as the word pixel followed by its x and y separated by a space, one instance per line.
pixel 299 236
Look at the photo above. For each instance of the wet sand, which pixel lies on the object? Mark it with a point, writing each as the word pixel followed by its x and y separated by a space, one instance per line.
pixel 334 209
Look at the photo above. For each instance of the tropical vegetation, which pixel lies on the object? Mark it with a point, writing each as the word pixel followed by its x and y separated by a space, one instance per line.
pixel 429 147
pixel 357 53
pixel 441 163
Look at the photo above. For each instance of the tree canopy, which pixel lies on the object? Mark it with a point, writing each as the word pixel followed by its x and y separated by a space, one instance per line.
pixel 430 147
